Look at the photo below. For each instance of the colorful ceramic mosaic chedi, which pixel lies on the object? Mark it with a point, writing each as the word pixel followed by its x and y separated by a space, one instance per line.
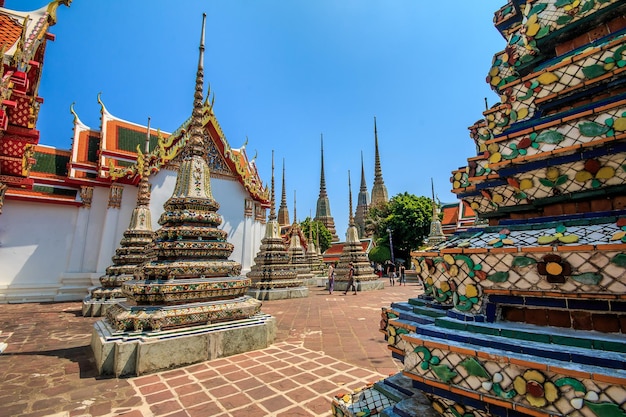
pixel 527 316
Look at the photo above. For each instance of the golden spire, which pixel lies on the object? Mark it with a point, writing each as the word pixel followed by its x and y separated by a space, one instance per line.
pixel 195 145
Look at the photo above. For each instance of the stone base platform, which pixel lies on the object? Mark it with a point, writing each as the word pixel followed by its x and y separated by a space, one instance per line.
pixel 98 308
pixel 279 293
pixel 377 284
pixel 138 353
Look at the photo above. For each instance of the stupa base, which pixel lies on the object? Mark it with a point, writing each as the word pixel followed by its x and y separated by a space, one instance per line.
pixel 98 308
pixel 137 353
pixel 372 285
pixel 279 293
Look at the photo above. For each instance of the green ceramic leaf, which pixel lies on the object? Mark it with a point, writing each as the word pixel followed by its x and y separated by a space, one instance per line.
pixel 591 129
pixel 525 59
pixel 605 409
pixel 546 182
pixel 474 368
pixel 593 71
pixel 500 276
pixel 542 32
pixel 523 261
pixel 587 6
pixel 504 394
pixel 550 136
pixel 589 278
pixel 562 20
pixel 561 3
pixel 619 260
pixel 561 180
pixel 617 55
pixel 444 372
pixel 574 383
pixel 526 96
pixel 538 8
pixel 560 228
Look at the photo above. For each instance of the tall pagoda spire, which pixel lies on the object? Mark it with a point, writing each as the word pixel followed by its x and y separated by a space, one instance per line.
pixel 363 203
pixel 379 191
pixel 272 194
pixel 322 213
pixel 283 211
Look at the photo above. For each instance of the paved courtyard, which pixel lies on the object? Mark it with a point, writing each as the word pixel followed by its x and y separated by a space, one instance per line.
pixel 325 345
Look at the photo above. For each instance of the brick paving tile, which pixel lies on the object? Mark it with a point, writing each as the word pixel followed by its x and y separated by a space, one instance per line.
pixel 324 345
pixel 276 403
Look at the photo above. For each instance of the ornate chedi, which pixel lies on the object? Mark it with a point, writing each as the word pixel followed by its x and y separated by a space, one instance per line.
pixel 136 247
pixel 189 304
pixel 526 317
pixel 296 250
pixel 273 277
pixel 379 190
pixel 322 212
pixel 436 231
pixel 362 205
pixel 364 275
pixel 313 255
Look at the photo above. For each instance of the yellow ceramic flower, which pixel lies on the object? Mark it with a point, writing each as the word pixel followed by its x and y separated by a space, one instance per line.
pixel 471 291
pixel 537 390
pixel 445 287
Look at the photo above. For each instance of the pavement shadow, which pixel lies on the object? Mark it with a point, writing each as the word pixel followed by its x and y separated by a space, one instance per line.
pixel 81 355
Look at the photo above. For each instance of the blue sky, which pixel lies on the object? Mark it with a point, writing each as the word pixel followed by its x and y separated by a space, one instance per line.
pixel 284 72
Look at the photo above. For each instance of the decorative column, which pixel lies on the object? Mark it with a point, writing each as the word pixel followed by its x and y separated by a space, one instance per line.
pixel 108 241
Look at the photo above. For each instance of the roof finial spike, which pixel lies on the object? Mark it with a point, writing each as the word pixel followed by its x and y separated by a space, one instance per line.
pixel 272 193
pixel 435 214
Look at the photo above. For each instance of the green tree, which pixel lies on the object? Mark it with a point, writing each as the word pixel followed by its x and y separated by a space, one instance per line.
pixel 408 218
pixel 379 253
pixel 325 236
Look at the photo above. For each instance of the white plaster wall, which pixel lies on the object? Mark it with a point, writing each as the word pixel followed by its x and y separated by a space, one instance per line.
pixel 35 241
pixel 45 255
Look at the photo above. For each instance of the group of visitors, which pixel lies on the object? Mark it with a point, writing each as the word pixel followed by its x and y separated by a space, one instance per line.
pixel 393 271
pixel 331 278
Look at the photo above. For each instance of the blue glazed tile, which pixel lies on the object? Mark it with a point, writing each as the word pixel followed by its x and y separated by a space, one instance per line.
pixel 618 306
pixel 491 312
pixel 546 302
pixel 596 305
pixel 506 299
pixel 458 338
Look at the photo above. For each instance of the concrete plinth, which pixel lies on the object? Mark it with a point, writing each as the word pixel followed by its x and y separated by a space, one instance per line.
pixel 139 353
pixel 360 286
pixel 279 293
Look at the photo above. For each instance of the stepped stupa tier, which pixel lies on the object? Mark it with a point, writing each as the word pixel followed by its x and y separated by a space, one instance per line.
pixel 364 276
pixel 526 317
pixel 273 277
pixel 136 247
pixel 322 212
pixel 313 256
pixel 190 303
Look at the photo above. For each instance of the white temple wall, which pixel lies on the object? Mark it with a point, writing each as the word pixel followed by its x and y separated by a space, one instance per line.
pixel 34 248
pixel 54 252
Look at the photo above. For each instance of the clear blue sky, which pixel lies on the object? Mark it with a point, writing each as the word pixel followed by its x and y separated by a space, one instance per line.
pixel 284 72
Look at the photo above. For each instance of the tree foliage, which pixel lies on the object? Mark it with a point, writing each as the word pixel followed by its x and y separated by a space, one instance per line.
pixel 407 216
pixel 325 236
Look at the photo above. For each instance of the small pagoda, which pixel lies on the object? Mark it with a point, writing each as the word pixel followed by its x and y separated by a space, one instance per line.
pixel 313 255
pixel 136 247
pixel 190 304
pixel 526 316
pixel 364 276
pixel 273 277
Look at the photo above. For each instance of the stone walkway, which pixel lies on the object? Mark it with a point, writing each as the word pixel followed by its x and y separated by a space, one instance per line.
pixel 325 345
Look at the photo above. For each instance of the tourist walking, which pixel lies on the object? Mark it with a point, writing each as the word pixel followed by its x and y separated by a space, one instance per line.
pixel 350 279
pixel 331 278
pixel 402 275
pixel 391 273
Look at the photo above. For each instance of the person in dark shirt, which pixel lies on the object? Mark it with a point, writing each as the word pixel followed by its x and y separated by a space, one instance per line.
pixel 350 279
